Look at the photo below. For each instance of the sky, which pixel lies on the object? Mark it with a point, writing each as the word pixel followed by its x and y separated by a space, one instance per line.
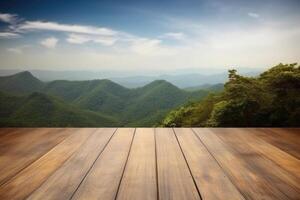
pixel 148 35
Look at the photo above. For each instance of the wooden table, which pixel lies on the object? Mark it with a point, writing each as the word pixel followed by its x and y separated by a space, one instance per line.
pixel 149 163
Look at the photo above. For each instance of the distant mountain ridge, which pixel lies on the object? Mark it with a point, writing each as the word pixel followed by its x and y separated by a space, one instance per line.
pixel 103 101
pixel 182 80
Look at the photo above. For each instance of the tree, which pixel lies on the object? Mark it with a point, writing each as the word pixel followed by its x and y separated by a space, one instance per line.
pixel 271 99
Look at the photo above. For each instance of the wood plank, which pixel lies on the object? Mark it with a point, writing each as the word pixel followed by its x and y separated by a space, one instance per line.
pixel 7 135
pixel 103 180
pixel 139 180
pixel 25 182
pixel 174 178
pixel 249 183
pixel 210 178
pixel 20 149
pixel 295 132
pixel 281 138
pixel 63 183
pixel 246 147
pixel 6 131
pixel 281 158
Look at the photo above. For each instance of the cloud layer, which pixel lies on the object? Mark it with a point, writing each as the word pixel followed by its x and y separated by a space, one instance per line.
pixel 80 34
pixel 251 39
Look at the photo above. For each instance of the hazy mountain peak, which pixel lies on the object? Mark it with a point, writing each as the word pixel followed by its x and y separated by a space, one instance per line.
pixel 26 75
pixel 159 83
pixel 23 82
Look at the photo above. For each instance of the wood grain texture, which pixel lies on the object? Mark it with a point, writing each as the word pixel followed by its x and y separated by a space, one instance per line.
pixel 20 186
pixel 139 180
pixel 20 149
pixel 246 147
pixel 174 178
pixel 103 180
pixel 251 185
pixel 281 138
pixel 281 158
pixel 6 131
pixel 63 183
pixel 149 163
pixel 211 180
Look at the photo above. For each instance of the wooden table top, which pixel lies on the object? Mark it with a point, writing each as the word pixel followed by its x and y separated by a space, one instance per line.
pixel 149 163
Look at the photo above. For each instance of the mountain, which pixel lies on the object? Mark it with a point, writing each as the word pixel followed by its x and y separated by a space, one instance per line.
pixel 155 100
pixel 39 109
pixel 21 83
pixel 107 97
pixel 211 87
pixel 143 106
pixel 133 79
pixel 139 107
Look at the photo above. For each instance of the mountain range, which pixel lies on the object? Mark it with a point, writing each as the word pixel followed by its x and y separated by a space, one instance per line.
pixel 132 79
pixel 27 101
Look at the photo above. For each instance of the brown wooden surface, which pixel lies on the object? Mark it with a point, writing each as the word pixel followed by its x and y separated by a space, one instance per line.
pixel 250 147
pixel 63 183
pixel 251 184
pixel 19 149
pixel 174 178
pixel 139 180
pixel 26 181
pixel 283 139
pixel 103 180
pixel 205 169
pixel 149 163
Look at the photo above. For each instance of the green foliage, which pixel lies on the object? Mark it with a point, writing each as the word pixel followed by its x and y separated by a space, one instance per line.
pixel 272 99
pixel 208 87
pixel 192 114
pixel 42 110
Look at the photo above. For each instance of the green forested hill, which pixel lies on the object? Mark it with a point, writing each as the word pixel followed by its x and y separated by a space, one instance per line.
pixel 39 109
pixel 145 106
pixel 20 83
pixel 155 100
pixel 271 99
pixel 211 87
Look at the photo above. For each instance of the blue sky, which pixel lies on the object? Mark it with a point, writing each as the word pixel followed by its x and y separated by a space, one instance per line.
pixel 148 35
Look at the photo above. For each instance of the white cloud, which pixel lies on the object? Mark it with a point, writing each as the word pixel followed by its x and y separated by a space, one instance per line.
pixel 50 42
pixel 173 36
pixel 15 50
pixel 150 47
pixel 79 34
pixel 8 18
pixel 80 39
pixel 53 26
pixel 253 15
pixel 8 35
